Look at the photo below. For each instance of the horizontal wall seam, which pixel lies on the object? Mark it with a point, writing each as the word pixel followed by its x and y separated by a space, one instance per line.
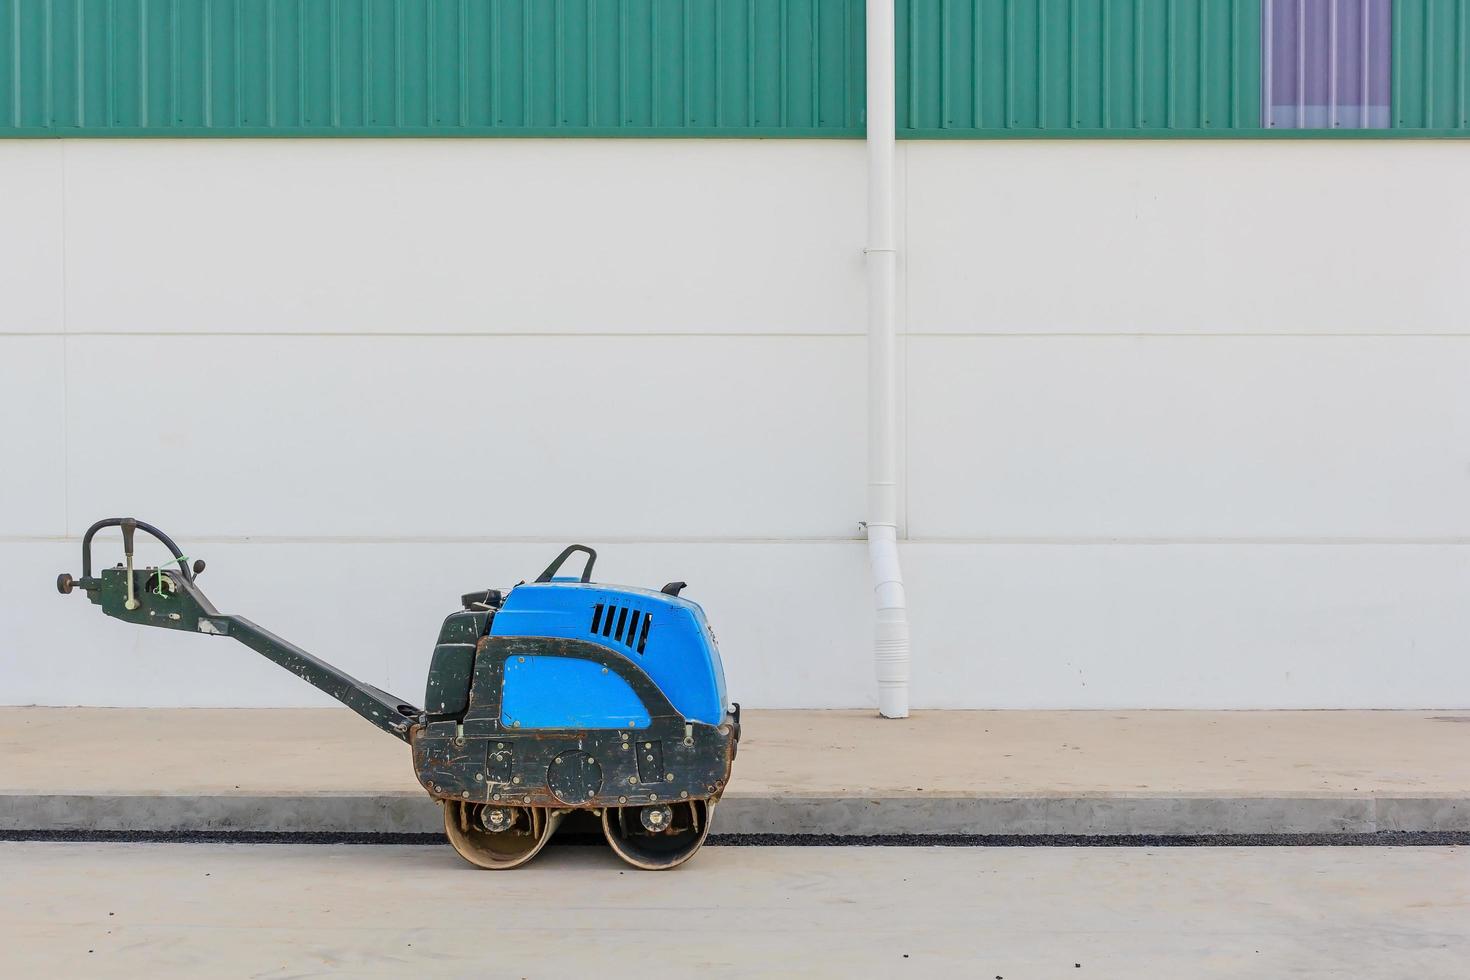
pixel 1455 541
pixel 746 334
pixel 437 334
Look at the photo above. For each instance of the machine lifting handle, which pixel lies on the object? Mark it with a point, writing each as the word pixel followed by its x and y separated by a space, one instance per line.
pixel 129 525
pixel 561 558
pixel 163 598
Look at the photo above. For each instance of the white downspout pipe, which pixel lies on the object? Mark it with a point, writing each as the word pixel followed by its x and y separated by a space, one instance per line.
pixel 891 640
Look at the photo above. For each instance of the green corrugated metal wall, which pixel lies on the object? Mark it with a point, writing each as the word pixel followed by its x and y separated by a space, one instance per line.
pixel 791 68
pixel 1004 67
pixel 1431 64
pixel 431 67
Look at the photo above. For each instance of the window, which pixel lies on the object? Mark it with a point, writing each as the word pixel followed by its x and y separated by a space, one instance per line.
pixel 1326 63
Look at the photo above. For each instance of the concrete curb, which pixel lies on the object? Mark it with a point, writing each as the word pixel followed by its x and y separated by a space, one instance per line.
pixel 847 816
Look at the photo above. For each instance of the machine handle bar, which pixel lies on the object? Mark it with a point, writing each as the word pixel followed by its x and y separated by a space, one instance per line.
pixel 561 558
pixel 129 525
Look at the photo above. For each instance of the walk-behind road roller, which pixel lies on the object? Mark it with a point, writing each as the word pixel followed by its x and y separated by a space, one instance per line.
pixel 548 698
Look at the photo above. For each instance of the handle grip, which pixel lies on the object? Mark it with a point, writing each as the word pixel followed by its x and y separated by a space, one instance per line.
pixel 129 525
pixel 561 558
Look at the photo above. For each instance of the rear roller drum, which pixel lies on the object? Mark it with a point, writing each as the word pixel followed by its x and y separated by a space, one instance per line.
pixel 499 837
pixel 657 836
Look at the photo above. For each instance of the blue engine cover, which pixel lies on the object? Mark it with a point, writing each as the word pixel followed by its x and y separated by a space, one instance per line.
pixel 668 637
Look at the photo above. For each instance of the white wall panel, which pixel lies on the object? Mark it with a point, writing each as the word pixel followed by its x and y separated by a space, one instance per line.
pixel 33 389
pixel 1294 437
pixel 1181 236
pixel 1009 626
pixel 30 236
pixel 653 437
pixel 1190 626
pixel 1100 520
pixel 465 235
pixel 789 634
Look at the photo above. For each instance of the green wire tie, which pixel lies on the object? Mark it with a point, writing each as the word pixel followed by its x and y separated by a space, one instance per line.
pixel 158 588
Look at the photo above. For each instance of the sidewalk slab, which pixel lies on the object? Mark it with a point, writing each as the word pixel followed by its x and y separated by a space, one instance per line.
pixel 798 772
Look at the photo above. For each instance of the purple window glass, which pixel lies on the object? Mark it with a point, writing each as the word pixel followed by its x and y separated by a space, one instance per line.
pixel 1326 63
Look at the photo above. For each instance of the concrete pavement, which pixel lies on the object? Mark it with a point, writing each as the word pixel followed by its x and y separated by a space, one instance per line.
pixel 799 772
pixel 161 910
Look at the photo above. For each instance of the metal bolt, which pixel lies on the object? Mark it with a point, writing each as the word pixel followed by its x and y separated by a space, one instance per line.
pixel 648 758
pixel 648 745
pixel 632 780
pixel 465 793
pixel 515 724
pixel 622 799
pixel 590 794
pixel 688 740
pixel 495 797
pixel 500 745
pixel 515 779
pixel 669 778
pixel 683 794
pixel 479 777
pixel 653 797
pixel 459 741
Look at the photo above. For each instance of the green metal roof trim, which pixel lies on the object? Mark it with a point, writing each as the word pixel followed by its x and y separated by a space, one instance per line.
pixel 789 68
pixel 967 69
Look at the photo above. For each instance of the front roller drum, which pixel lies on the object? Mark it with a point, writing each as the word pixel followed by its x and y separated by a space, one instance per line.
pixel 499 837
pixel 657 837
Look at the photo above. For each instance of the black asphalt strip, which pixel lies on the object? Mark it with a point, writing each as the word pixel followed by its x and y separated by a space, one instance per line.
pixel 1381 839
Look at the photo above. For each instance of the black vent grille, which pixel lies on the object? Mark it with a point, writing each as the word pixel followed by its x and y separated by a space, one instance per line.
pixel 622 624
